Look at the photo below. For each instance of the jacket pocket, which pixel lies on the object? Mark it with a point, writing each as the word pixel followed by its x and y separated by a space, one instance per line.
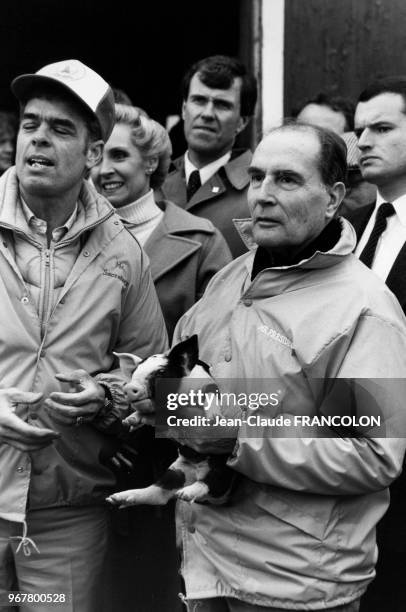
pixel 311 514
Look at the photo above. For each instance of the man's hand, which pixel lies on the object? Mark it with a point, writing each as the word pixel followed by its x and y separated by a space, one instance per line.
pixel 13 430
pixel 81 404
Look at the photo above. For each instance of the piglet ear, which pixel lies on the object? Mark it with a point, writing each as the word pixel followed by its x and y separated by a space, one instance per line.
pixel 184 356
pixel 128 363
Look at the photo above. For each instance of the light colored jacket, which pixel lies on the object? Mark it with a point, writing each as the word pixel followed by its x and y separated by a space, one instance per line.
pixel 299 532
pixel 108 303
pixel 220 199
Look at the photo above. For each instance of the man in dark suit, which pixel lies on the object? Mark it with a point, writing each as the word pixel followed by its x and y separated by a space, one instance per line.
pixel 211 180
pixel 380 124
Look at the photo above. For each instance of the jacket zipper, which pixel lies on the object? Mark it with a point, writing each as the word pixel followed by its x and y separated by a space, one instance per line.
pixel 46 292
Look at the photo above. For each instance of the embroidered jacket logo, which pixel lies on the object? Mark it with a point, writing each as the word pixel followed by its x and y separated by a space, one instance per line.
pixel 272 333
pixel 117 270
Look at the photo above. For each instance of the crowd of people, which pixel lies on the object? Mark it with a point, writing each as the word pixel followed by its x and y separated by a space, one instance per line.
pixel 287 263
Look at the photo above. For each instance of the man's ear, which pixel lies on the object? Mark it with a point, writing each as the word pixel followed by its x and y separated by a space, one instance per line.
pixel 336 193
pixel 94 153
pixel 183 109
pixel 151 164
pixel 242 124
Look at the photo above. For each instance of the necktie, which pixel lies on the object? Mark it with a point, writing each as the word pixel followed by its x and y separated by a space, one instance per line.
pixel 193 184
pixel 384 211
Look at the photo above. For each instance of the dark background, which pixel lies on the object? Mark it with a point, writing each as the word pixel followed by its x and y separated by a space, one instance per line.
pixel 339 46
pixel 143 47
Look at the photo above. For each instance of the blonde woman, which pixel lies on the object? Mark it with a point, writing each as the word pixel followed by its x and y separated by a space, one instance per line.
pixel 185 251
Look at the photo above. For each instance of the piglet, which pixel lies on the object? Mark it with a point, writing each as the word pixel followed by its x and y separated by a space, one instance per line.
pixel 193 476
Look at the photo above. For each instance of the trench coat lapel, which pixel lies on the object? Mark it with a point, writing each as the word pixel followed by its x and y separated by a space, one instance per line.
pixel 162 241
pixel 211 189
pixel 235 172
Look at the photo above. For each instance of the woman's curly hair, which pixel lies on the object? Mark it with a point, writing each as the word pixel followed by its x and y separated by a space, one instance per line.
pixel 150 138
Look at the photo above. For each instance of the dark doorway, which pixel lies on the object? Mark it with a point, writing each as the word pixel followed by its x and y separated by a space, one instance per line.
pixel 141 47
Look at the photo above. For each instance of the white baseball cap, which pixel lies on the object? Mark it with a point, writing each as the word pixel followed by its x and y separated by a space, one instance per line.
pixel 80 81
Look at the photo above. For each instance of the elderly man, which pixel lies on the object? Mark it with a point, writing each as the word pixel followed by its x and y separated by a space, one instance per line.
pixel 75 287
pixel 211 179
pixel 299 530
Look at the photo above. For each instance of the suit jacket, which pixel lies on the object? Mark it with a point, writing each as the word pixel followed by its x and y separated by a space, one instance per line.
pixel 396 280
pixel 221 199
pixel 391 531
pixel 184 252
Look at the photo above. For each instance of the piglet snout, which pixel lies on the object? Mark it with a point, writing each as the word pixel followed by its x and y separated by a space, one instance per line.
pixel 135 391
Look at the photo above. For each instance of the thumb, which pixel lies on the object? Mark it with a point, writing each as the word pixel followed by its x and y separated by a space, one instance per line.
pixel 22 397
pixel 76 377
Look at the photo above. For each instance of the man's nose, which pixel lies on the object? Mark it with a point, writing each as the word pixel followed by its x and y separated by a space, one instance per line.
pixel 208 110
pixel 41 135
pixel 364 139
pixel 267 190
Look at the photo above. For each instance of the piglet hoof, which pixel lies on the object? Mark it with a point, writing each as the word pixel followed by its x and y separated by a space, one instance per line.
pixel 125 499
pixel 194 492
pixel 150 496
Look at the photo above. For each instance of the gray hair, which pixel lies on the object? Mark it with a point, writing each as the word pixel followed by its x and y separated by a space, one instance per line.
pixel 150 138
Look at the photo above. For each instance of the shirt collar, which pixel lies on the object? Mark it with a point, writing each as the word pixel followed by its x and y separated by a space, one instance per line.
pixel 40 225
pixel 399 205
pixel 207 171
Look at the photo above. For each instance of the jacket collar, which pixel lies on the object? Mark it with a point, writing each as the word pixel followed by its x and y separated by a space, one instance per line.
pixel 168 237
pixel 323 243
pixel 235 172
pixel 96 207
pixel 236 169
pixel 343 247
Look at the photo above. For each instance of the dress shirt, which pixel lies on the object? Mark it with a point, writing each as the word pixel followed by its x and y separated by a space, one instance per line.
pixel 391 240
pixel 207 171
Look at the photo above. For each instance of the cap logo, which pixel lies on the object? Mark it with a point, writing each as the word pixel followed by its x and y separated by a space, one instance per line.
pixel 69 71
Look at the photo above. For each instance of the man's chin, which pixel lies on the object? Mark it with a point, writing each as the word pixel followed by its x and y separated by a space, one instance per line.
pixel 370 174
pixel 202 142
pixel 266 238
pixel 36 186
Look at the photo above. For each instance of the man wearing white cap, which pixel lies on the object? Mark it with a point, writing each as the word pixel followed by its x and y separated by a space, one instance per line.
pixel 74 287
